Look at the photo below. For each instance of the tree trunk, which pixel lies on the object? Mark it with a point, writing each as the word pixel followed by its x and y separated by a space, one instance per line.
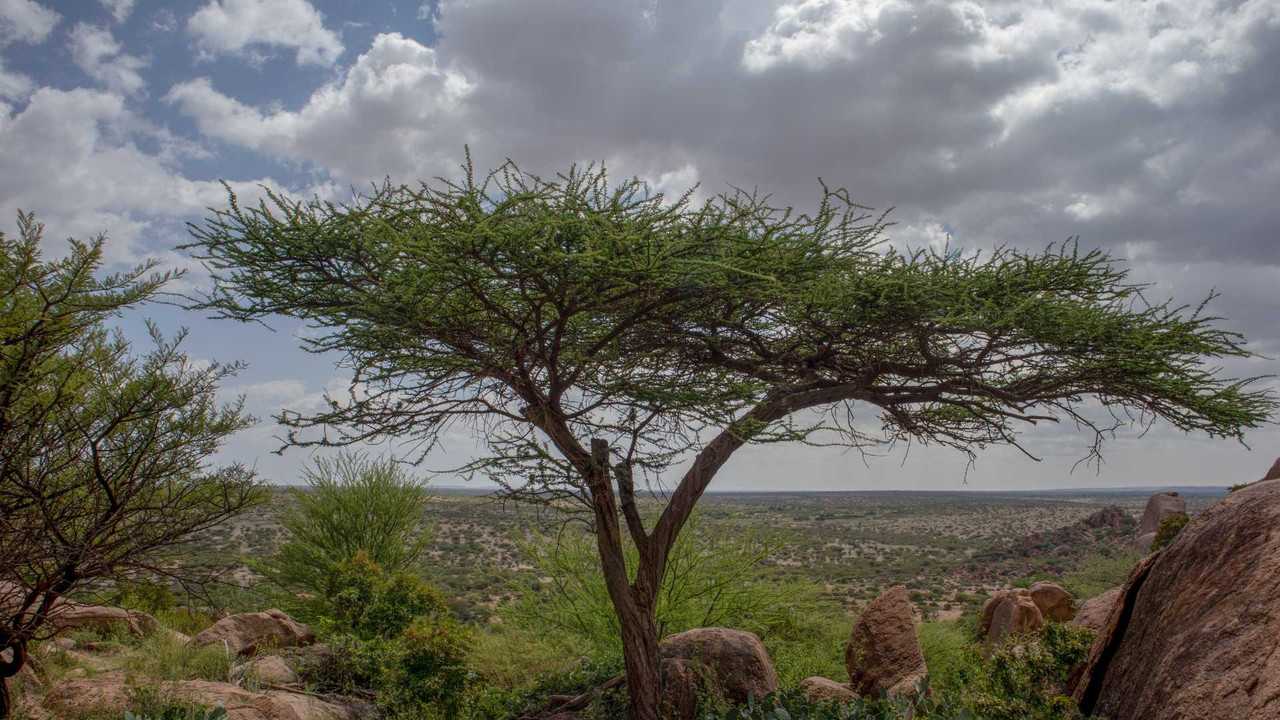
pixel 640 656
pixel 9 668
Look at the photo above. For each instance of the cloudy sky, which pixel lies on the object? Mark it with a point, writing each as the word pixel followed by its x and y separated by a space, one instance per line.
pixel 1148 128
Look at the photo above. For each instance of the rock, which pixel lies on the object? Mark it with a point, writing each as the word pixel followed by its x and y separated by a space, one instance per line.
pixel 1054 602
pixel 819 689
pixel 271 670
pixel 1196 631
pixel 1093 613
pixel 883 654
pixel 64 643
pixel 1108 517
pixel 109 694
pixel 1274 472
pixel 734 663
pixel 71 616
pixel 1143 541
pixel 245 633
pixel 1009 612
pixel 1159 507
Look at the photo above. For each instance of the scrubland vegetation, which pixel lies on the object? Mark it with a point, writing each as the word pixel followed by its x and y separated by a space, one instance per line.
pixel 599 340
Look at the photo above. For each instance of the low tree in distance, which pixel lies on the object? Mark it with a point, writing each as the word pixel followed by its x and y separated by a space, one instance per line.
pixel 104 455
pixel 351 505
pixel 597 336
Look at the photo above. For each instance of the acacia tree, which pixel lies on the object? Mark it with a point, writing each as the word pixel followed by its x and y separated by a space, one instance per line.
pixel 103 454
pixel 602 340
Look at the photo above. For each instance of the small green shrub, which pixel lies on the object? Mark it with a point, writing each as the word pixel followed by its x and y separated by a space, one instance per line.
pixel 391 634
pixel 352 504
pixel 163 656
pixel 1024 680
pixel 1169 529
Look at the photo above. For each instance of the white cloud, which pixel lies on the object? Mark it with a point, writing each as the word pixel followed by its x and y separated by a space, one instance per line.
pixel 119 9
pixel 25 21
pixel 66 156
pixel 13 85
pixel 96 51
pixel 238 26
pixel 384 116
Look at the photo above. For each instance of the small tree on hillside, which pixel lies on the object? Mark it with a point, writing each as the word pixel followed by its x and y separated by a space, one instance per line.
pixel 596 336
pixel 352 504
pixel 103 455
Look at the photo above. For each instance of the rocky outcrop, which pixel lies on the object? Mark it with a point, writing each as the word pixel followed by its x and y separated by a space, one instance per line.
pixel 1196 630
pixel 270 670
pixel 1024 610
pixel 819 689
pixel 71 616
pixel 1159 507
pixel 246 633
pixel 1009 612
pixel 1094 611
pixel 883 654
pixel 1274 472
pixel 1108 517
pixel 730 664
pixel 109 694
pixel 1054 602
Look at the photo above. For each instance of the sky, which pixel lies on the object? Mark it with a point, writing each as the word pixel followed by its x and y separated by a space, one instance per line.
pixel 1149 129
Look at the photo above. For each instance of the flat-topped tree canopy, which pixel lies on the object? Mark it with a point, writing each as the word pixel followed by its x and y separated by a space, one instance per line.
pixel 594 334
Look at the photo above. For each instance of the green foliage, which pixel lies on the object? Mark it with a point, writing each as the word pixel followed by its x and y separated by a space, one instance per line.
pixel 1169 529
pixel 105 454
pixel 1024 680
pixel 153 598
pixel 1095 574
pixel 370 602
pixel 163 656
pixel 711 580
pixel 393 635
pixel 600 314
pixel 1019 681
pixel 352 505
pixel 947 648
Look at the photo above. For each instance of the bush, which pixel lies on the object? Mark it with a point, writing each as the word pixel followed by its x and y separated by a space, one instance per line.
pixel 392 635
pixel 370 602
pixel 1024 679
pixel 351 505
pixel 1169 529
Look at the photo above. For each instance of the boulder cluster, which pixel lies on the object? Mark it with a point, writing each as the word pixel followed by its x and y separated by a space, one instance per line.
pixel 279 693
pixel 1024 610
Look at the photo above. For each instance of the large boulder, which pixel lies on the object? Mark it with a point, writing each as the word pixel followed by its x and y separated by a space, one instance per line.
pixel 72 616
pixel 1196 630
pixel 883 654
pixel 108 694
pixel 246 633
pixel 1009 614
pixel 1020 611
pixel 1053 601
pixel 1274 472
pixel 270 670
pixel 1159 507
pixel 731 664
pixel 819 689
pixel 1094 611
pixel 1108 517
